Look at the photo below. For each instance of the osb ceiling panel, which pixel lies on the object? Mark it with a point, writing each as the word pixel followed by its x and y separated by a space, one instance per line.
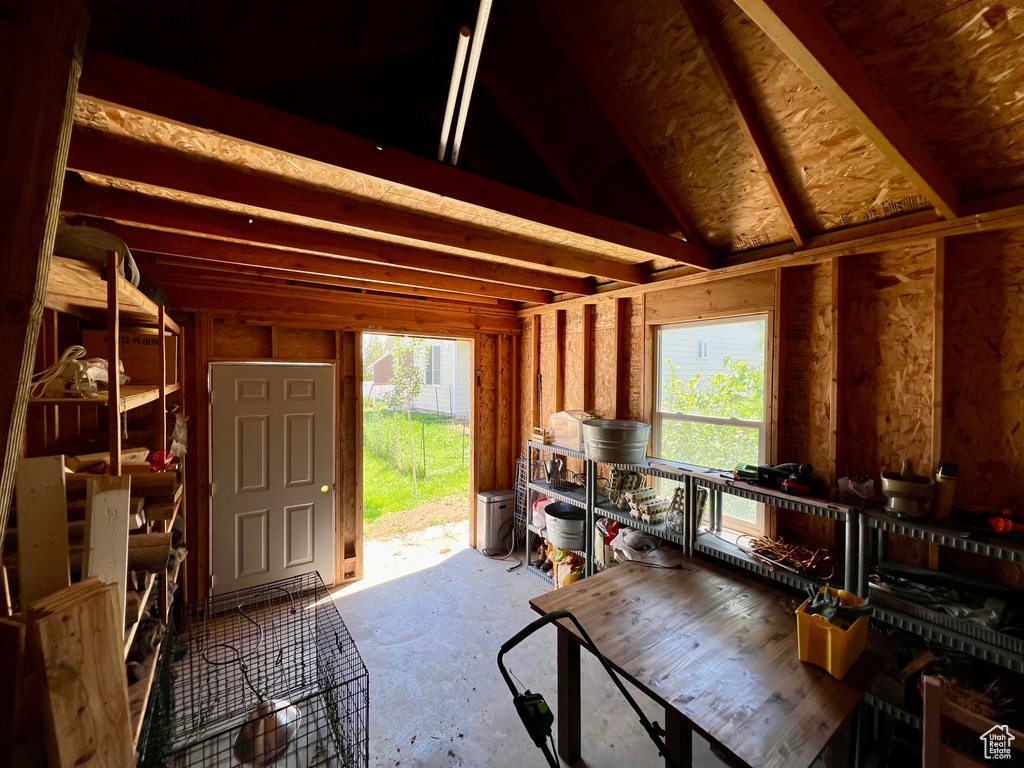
pixel 954 71
pixel 840 177
pixel 646 57
pixel 104 117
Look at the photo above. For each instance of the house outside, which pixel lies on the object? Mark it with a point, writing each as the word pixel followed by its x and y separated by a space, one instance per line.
pixel 703 347
pixel 445 365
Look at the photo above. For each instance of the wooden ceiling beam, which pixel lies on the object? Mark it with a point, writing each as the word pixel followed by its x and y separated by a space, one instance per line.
pixel 131 208
pixel 152 165
pixel 158 267
pixel 132 85
pixel 803 33
pixel 719 58
pixel 247 255
pixel 607 108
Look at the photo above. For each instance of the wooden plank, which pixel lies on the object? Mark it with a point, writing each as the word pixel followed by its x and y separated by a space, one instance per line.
pixel 938 342
pixel 301 307
pixel 834 447
pixel 623 311
pixel 358 258
pixel 114 365
pixel 559 382
pixel 124 82
pixel 138 694
pixel 535 379
pixel 719 59
pixel 42 528
pixel 147 164
pixel 86 691
pixel 589 362
pixel 105 547
pixel 48 48
pixel 803 33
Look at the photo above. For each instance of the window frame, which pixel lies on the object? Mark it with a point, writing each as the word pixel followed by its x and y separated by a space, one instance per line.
pixel 764 427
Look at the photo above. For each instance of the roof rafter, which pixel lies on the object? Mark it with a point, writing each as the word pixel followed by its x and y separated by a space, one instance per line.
pixel 175 170
pixel 122 82
pixel 719 59
pixel 131 208
pixel 803 33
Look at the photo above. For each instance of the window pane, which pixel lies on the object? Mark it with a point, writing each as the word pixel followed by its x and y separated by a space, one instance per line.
pixel 713 369
pixel 709 445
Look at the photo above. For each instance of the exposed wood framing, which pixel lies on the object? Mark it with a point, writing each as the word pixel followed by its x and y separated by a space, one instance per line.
pixel 158 93
pixel 159 266
pixel 559 382
pixel 130 208
pixel 536 398
pixel 938 340
pixel 588 356
pixel 623 313
pixel 275 259
pixel 825 248
pixel 834 388
pixel 149 164
pixel 348 555
pixel 804 34
pixel 719 58
pixel 49 45
pixel 324 308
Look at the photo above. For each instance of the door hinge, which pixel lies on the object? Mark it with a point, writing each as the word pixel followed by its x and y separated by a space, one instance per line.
pixel 211 397
pixel 213 581
pixel 213 489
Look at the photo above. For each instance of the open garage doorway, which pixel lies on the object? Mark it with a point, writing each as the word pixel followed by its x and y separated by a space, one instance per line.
pixel 416 439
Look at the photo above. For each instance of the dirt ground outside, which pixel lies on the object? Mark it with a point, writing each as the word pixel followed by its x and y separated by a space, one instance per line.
pixel 399 525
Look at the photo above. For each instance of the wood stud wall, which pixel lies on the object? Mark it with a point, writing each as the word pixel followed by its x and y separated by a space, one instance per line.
pixel 879 357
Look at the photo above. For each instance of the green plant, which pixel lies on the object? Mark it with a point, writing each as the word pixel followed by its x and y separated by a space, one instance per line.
pixel 406 383
pixel 373 350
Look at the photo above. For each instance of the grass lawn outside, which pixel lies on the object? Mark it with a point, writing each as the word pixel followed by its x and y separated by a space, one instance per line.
pixel 387 475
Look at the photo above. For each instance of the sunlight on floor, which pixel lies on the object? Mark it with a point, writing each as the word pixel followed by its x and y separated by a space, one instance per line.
pixel 388 559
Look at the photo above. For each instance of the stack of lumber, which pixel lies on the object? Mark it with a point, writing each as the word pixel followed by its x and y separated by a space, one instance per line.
pixel 77 634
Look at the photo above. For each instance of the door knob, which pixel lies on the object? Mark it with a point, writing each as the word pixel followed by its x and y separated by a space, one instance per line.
pixel 324 488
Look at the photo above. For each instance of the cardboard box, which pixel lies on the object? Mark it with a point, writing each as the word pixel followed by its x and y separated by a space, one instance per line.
pixel 139 353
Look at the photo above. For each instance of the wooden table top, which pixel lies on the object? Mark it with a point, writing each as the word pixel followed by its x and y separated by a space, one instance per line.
pixel 721 649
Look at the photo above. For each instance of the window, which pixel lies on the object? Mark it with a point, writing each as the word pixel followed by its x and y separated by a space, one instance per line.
pixel 432 373
pixel 710 409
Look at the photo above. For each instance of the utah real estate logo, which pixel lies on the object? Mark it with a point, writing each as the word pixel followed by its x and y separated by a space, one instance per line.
pixel 997 742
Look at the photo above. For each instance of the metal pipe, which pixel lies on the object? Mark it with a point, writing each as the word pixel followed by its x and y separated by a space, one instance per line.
pixel 862 566
pixel 453 90
pixel 851 533
pixel 467 89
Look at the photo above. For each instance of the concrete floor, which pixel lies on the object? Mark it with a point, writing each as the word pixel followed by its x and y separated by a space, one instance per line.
pixel 428 624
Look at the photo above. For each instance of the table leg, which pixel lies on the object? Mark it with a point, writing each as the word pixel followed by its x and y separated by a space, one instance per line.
pixel 568 697
pixel 678 739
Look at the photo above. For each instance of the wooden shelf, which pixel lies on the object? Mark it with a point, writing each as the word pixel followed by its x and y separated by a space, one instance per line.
pixel 138 694
pixel 134 607
pixel 78 288
pixel 132 396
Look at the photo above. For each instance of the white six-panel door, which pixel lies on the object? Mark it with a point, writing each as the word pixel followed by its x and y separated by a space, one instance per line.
pixel 272 472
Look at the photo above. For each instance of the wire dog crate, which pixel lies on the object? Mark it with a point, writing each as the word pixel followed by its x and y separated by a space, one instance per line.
pixel 267 676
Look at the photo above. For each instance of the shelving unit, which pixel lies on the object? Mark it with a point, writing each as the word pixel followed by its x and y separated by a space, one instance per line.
pixel 695 538
pixel 969 639
pixel 98 294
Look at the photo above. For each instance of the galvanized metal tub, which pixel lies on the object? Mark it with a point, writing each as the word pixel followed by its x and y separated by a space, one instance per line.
pixel 616 441
pixel 566 525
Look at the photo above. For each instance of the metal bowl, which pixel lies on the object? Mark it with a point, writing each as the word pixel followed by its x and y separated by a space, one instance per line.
pixel 616 441
pixel 566 525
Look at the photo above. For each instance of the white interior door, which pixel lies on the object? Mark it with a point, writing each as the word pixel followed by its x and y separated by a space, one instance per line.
pixel 272 466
